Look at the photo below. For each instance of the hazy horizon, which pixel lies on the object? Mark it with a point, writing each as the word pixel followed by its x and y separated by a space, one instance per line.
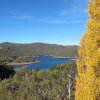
pixel 40 42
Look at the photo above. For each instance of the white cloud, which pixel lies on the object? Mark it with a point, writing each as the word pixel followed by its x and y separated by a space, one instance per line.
pixel 22 17
pixel 17 15
pixel 55 21
pixel 73 11
pixel 85 10
pixel 14 13
pixel 65 12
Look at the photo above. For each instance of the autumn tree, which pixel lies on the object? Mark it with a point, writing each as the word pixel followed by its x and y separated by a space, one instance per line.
pixel 88 64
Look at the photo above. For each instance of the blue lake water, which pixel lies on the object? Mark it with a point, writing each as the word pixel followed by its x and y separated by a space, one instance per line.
pixel 46 62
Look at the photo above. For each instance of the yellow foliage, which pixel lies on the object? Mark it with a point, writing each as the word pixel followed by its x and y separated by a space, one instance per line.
pixel 88 64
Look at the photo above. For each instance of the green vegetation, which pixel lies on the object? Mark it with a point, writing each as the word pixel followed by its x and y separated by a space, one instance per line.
pixel 22 61
pixel 58 83
pixel 11 52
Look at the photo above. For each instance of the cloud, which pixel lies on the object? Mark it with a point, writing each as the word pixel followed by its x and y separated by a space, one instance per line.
pixel 65 12
pixel 73 11
pixel 14 13
pixel 17 15
pixel 55 21
pixel 85 10
pixel 22 17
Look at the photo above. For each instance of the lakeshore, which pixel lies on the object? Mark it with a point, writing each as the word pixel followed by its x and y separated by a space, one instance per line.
pixel 20 64
pixel 45 63
pixel 28 63
pixel 65 57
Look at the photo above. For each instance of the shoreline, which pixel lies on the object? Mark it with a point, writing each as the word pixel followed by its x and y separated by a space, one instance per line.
pixel 24 63
pixel 71 58
pixel 65 57
pixel 27 63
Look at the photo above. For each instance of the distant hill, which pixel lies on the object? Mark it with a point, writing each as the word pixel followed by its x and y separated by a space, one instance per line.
pixel 11 51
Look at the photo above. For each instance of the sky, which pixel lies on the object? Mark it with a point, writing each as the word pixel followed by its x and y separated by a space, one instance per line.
pixel 48 21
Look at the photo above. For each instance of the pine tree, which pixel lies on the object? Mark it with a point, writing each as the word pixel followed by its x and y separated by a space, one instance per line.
pixel 88 64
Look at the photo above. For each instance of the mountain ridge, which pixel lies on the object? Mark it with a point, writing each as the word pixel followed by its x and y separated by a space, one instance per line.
pixel 12 51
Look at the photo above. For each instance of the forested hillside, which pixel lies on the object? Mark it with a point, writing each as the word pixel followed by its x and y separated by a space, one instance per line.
pixel 58 83
pixel 11 51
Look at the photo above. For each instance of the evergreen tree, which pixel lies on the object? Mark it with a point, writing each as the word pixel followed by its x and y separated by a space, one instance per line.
pixel 88 65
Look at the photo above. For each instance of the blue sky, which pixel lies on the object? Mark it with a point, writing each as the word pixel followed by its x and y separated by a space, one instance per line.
pixel 49 21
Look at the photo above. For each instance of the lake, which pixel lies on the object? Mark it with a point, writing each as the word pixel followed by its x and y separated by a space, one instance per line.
pixel 45 63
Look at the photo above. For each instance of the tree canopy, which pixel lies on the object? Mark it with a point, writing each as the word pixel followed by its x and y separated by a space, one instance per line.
pixel 88 65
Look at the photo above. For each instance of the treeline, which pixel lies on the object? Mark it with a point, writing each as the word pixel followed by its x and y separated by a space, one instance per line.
pixel 11 51
pixel 58 83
